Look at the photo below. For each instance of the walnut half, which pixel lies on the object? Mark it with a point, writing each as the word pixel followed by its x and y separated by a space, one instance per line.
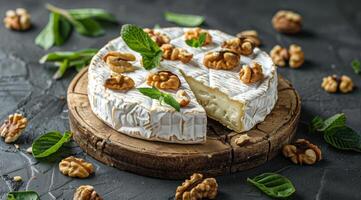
pixel 75 167
pixel 195 33
pixel 12 128
pixel 18 19
pixel 119 82
pixel 164 80
pixel 183 98
pixel 302 152
pixel 86 192
pixel 286 21
pixel 224 59
pixel 157 37
pixel 251 35
pixel 253 74
pixel 172 53
pixel 197 188
pixel 242 45
pixel 119 61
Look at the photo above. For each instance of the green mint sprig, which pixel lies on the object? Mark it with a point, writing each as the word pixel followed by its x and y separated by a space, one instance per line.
pixel 184 19
pixel 273 185
pixel 64 60
pixel 22 195
pixel 49 144
pixel 154 93
pixel 356 66
pixel 336 133
pixel 197 42
pixel 139 41
pixel 61 22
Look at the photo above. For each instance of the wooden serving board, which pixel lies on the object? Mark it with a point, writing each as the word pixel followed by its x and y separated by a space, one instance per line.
pixel 219 155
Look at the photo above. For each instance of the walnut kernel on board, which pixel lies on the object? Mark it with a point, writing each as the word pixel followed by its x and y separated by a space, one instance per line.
pixel 18 19
pixel 119 61
pixel 174 53
pixel 223 59
pixel 164 80
pixel 251 74
pixel 13 127
pixel 195 33
pixel 286 21
pixel 302 152
pixel 119 82
pixel 86 192
pixel 75 167
pixel 197 187
pixel 157 37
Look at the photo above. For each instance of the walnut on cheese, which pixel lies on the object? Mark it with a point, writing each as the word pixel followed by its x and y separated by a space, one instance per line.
pixel 119 61
pixel 13 127
pixel 174 53
pixel 196 188
pixel 119 82
pixel 164 80
pixel 18 19
pixel 75 167
pixel 86 192
pixel 302 152
pixel 224 59
pixel 253 74
pixel 157 37
pixel 183 98
pixel 251 35
pixel 195 33
pixel 286 21
pixel 242 45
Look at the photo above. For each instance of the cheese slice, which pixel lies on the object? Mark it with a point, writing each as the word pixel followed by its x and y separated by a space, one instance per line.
pixel 218 94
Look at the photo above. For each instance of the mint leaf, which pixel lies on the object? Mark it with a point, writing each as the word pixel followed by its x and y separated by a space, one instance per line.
pixel 184 19
pixel 88 27
pixel 273 185
pixel 320 125
pixel 199 42
pixel 139 41
pixel 94 13
pixel 49 143
pixel 23 195
pixel 61 70
pixel 46 37
pixel 343 138
pixel 154 93
pixel 356 66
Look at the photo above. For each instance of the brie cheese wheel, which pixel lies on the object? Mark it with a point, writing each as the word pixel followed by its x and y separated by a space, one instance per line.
pixel 218 94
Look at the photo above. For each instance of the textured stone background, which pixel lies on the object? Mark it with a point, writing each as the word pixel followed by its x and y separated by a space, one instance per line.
pixel 331 39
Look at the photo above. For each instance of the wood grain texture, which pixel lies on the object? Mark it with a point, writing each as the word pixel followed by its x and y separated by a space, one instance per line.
pixel 219 155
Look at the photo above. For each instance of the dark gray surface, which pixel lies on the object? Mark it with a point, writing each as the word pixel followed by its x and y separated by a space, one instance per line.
pixel 331 39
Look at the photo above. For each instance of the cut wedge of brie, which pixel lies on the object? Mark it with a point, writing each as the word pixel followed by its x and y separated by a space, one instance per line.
pixel 218 94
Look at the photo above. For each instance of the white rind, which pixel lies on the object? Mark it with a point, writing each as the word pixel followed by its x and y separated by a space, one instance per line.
pixel 139 116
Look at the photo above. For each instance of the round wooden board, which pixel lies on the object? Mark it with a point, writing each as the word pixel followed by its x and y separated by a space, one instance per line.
pixel 219 155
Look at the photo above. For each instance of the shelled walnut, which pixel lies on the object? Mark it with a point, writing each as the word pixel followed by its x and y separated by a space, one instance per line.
pixel 197 188
pixel 13 127
pixel 279 55
pixel 246 139
pixel 157 37
pixel 75 167
pixel 297 57
pixel 119 82
pixel 183 98
pixel 224 59
pixel 18 19
pixel 119 61
pixel 243 46
pixel 164 80
pixel 251 35
pixel 249 75
pixel 330 84
pixel 86 192
pixel 195 33
pixel 346 84
pixel 173 53
pixel 286 21
pixel 302 152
